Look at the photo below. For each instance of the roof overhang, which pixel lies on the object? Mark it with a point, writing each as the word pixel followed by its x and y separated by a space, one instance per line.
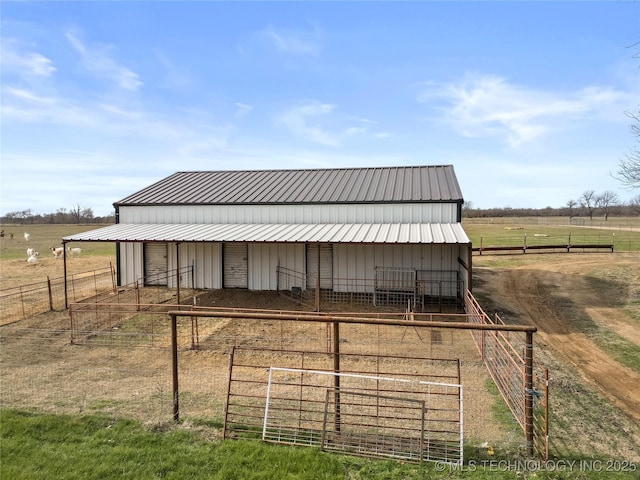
pixel 392 233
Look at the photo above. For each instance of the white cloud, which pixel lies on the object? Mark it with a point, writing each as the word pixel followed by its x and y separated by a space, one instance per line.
pixel 14 57
pixel 292 43
pixel 490 106
pixel 306 121
pixel 242 109
pixel 97 59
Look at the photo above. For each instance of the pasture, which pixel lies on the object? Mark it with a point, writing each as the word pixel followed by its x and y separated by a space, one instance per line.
pixel 586 307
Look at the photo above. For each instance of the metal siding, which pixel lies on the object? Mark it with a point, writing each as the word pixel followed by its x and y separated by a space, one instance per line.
pixel 131 263
pixel 264 260
pixel 346 213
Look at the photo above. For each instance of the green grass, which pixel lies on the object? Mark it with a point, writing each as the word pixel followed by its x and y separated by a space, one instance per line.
pixel 516 232
pixel 45 236
pixel 43 446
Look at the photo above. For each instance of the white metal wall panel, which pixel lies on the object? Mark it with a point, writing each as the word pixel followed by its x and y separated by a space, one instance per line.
pixel 155 263
pixel 235 265
pixel 345 213
pixel 206 259
pixel 264 259
pixel 359 261
pixel 326 265
pixel 131 266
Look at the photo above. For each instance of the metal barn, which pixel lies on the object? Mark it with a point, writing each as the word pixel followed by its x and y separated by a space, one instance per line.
pixel 390 234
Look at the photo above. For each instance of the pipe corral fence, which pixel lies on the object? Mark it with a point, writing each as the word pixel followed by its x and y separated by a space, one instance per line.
pixel 400 348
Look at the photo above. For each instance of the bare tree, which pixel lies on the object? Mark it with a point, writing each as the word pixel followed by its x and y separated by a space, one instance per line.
pixel 588 202
pixel 634 203
pixel 607 201
pixel 571 204
pixel 629 167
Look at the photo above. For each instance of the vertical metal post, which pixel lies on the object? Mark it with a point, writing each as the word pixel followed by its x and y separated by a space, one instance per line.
pixel 318 283
pixel 64 273
pixel 178 271
pixel 336 369
pixel 50 294
pixel 528 391
pixel 174 367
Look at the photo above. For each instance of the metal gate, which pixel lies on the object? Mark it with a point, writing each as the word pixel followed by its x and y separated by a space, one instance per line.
pixel 234 259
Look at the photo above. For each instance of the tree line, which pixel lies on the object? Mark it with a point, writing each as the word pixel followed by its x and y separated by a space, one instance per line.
pixel 77 214
pixel 590 203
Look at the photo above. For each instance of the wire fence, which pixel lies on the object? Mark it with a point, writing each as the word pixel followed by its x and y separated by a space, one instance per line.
pixel 25 300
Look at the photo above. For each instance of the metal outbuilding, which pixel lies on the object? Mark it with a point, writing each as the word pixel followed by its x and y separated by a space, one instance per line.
pixel 339 229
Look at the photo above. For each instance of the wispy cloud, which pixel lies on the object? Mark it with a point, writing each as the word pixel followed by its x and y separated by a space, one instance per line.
pixel 18 57
pixel 488 105
pixel 242 109
pixel 292 43
pixel 97 59
pixel 309 121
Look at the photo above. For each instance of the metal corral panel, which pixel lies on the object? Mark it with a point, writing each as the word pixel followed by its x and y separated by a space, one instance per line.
pixel 400 233
pixel 290 214
pixel 264 260
pixel 341 185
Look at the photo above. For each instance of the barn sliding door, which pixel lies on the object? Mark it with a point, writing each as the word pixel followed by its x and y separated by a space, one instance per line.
pixel 234 257
pixel 155 264
pixel 326 266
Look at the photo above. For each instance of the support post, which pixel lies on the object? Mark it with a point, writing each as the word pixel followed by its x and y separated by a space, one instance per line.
pixel 528 391
pixel 178 272
pixel 64 273
pixel 336 369
pixel 318 283
pixel 174 367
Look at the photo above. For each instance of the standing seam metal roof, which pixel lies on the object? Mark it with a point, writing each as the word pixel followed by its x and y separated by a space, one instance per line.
pixel 434 183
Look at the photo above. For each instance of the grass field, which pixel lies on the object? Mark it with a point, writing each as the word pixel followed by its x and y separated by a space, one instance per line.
pixel 623 233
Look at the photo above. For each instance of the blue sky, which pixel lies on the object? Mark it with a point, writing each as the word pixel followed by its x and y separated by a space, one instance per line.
pixel 526 99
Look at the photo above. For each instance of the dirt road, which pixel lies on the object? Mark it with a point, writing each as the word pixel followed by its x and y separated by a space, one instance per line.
pixel 572 300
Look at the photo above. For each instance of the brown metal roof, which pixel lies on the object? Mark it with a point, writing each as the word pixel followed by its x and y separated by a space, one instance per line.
pixel 398 233
pixel 435 183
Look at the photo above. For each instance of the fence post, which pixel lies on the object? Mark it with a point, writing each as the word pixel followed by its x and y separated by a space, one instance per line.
pixel 336 369
pixel 113 277
pixel 174 368
pixel 528 391
pixel 50 294
pixel 138 297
